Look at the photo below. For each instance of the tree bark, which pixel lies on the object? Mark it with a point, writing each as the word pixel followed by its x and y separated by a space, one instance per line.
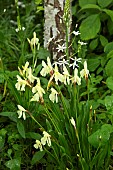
pixel 55 27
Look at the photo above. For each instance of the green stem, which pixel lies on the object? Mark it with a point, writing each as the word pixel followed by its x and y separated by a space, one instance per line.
pixel 50 117
pixel 35 120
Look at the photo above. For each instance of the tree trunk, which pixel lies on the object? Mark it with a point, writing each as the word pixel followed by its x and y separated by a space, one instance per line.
pixel 55 28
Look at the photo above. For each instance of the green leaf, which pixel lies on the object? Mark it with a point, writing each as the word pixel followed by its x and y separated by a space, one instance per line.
pixel 90 6
pixel 2 141
pixel 11 115
pixel 108 47
pixel 109 102
pixel 85 2
pixel 110 26
pixel 49 127
pixel 90 27
pixel 13 164
pixel 21 129
pixel 109 68
pixel 93 64
pixel 3 132
pixel 37 156
pixel 110 55
pixel 15 92
pixel 101 136
pixel 109 82
pixel 109 12
pixel 103 40
pixel 37 2
pixel 104 3
pixel 33 135
pixel 93 44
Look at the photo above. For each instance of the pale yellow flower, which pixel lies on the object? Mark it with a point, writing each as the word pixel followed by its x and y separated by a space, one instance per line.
pixel 58 76
pixel 73 122
pixel 35 97
pixel 34 41
pixel 30 76
pixel 25 67
pixel 38 145
pixel 84 72
pixel 20 85
pixel 21 112
pixel 47 68
pixel 46 138
pixel 38 89
pixel 76 78
pixel 66 75
pixel 54 95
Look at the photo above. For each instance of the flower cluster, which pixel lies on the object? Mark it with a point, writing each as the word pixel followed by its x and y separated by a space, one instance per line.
pixel 27 79
pixel 45 139
pixel 65 76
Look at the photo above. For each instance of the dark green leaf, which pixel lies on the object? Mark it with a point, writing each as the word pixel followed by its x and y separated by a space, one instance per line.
pixel 90 6
pixel 101 136
pixel 104 3
pixel 13 164
pixel 109 12
pixel 90 27
pixel 93 44
pixel 33 135
pixel 11 115
pixel 110 55
pixel 103 40
pixel 21 129
pixel 108 47
pixel 85 2
pixel 93 64
pixel 109 102
pixel 37 156
pixel 109 68
pixel 109 82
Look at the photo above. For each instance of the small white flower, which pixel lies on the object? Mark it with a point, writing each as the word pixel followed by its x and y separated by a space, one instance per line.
pixel 73 122
pixel 61 47
pixel 38 145
pixel 76 60
pixel 47 68
pixel 17 30
pixel 21 112
pixel 76 78
pixel 81 43
pixel 50 40
pixel 4 10
pixel 76 33
pixel 23 28
pixel 54 95
pixel 62 62
pixel 84 72
pixel 46 138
